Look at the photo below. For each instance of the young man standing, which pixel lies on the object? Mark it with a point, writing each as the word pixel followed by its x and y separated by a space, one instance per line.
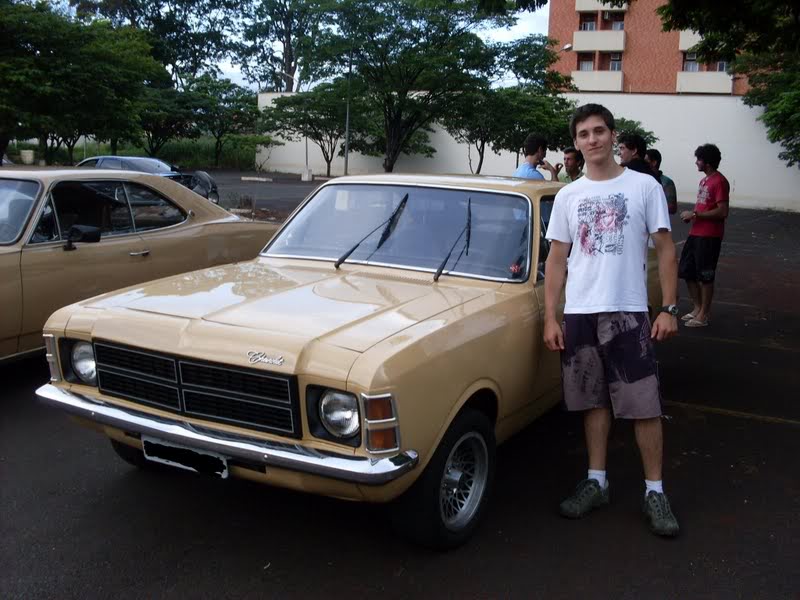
pixel 701 252
pixel 573 166
pixel 600 224
pixel 632 148
pixel 535 149
pixel 653 159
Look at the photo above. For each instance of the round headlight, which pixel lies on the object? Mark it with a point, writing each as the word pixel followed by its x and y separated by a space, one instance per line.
pixel 339 414
pixel 83 363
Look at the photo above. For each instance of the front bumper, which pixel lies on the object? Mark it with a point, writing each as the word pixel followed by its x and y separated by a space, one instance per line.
pixel 353 469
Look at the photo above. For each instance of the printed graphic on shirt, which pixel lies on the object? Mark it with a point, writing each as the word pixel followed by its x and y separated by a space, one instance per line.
pixel 601 224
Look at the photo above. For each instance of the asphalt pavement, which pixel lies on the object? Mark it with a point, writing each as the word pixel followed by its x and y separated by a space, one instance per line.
pixel 77 522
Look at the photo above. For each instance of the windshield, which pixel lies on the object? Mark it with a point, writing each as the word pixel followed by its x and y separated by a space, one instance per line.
pixel 149 165
pixel 421 234
pixel 16 201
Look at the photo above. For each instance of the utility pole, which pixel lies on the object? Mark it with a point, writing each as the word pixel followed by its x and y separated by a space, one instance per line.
pixel 347 113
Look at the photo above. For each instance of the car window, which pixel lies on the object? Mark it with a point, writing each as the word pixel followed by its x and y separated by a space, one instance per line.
pixel 92 162
pixel 16 201
pixel 95 203
pixel 545 210
pixel 149 165
pixel 487 232
pixel 150 209
pixel 47 228
pixel 111 163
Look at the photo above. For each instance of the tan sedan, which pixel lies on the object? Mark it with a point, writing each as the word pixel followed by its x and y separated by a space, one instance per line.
pixel 380 347
pixel 66 235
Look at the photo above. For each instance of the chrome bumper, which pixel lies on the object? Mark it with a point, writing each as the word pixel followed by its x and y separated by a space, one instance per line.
pixel 294 457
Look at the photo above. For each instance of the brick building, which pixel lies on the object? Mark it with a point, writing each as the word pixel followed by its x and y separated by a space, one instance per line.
pixel 623 49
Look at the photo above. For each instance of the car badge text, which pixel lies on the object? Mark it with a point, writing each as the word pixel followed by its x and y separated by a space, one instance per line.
pixel 261 357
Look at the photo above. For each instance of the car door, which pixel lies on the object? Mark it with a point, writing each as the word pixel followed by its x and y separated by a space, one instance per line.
pixel 53 276
pixel 10 299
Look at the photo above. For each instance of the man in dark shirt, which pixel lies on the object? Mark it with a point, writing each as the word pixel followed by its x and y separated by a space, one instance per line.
pixel 631 148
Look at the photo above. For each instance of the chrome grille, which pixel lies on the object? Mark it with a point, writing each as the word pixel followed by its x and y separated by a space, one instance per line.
pixel 254 399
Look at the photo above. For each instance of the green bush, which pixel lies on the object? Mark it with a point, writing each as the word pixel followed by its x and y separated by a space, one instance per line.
pixel 239 152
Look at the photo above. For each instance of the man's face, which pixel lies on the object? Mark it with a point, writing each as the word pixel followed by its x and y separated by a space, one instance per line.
pixel 626 154
pixel 701 164
pixel 594 139
pixel 651 163
pixel 571 162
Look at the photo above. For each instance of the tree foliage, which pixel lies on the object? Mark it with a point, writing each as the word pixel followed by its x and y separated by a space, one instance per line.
pixel 624 125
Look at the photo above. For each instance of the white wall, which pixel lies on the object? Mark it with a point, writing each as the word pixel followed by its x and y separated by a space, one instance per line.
pixel 750 162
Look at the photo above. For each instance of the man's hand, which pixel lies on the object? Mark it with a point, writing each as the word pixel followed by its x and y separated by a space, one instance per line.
pixel 547 166
pixel 664 327
pixel 554 336
pixel 559 166
pixel 687 215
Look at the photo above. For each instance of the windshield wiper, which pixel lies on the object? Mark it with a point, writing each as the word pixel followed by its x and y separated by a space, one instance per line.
pixel 468 230
pixel 388 223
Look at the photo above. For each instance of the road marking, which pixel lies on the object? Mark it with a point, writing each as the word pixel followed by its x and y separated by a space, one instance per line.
pixel 266 179
pixel 734 413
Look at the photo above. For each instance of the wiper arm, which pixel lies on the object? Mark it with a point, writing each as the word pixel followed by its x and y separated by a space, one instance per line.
pixel 468 230
pixel 389 223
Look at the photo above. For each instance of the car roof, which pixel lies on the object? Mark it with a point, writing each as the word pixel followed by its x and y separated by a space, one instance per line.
pixel 493 183
pixel 45 175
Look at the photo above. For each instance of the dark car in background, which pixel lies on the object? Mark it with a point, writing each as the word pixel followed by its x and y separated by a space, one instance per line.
pixel 199 182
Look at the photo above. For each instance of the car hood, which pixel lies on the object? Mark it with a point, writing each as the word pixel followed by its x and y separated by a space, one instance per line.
pixel 348 309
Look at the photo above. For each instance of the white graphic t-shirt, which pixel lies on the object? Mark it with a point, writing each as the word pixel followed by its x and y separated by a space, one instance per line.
pixel 608 224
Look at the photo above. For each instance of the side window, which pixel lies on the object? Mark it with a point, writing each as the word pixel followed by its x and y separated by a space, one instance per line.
pixel 47 228
pixel 95 203
pixel 545 210
pixel 111 163
pixel 150 209
pixel 92 162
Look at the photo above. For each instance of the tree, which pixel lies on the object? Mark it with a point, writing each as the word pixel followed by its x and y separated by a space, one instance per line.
pixel 761 40
pixel 167 113
pixel 415 57
pixel 635 127
pixel 277 35
pixel 318 115
pixel 188 36
pixel 472 122
pixel 224 110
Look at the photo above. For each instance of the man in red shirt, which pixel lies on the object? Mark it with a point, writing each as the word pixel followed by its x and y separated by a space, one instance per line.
pixel 700 253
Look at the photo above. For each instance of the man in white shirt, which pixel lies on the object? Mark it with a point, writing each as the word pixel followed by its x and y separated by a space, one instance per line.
pixel 599 226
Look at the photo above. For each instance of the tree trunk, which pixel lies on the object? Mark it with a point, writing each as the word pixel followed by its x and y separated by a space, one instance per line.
pixel 217 151
pixel 5 140
pixel 481 148
pixel 114 142
pixel 70 150
pixel 43 148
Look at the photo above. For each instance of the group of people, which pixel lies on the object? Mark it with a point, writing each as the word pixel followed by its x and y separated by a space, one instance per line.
pixel 601 225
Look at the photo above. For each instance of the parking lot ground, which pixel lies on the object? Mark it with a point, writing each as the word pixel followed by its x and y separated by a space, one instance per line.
pixel 76 522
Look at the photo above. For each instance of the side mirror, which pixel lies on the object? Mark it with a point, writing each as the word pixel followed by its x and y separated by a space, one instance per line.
pixel 81 233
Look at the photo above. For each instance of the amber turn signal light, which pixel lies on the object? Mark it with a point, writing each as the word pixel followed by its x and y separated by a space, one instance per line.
pixel 382 439
pixel 379 409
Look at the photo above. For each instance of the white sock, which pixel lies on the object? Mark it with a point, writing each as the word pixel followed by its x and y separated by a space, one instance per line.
pixel 599 477
pixel 653 486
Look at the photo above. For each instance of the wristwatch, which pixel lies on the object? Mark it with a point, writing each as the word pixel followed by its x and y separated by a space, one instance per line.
pixel 671 309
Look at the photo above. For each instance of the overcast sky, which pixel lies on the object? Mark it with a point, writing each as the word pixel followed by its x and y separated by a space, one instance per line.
pixel 527 24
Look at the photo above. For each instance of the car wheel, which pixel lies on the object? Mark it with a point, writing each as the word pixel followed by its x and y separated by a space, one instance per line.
pixel 445 505
pixel 132 456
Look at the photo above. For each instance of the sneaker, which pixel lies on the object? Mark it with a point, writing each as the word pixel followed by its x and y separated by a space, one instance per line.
pixel 659 515
pixel 587 496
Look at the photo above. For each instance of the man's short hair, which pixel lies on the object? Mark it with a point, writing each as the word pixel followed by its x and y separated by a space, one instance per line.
pixel 709 154
pixel 532 144
pixel 578 154
pixel 655 156
pixel 590 110
pixel 633 141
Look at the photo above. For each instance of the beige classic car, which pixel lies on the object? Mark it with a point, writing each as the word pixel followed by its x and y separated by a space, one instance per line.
pixel 381 345
pixel 66 235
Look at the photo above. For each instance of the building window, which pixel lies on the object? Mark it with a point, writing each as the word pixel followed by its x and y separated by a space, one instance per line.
pixel 618 25
pixel 588 22
pixel 722 66
pixel 585 62
pixel 690 62
pixel 615 62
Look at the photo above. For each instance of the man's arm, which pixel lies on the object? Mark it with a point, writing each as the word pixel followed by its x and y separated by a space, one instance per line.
pixel 665 325
pixel 719 213
pixel 553 171
pixel 672 197
pixel 555 276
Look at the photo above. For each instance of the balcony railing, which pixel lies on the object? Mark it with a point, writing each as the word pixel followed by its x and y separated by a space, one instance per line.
pixel 606 40
pixel 706 82
pixel 595 5
pixel 598 81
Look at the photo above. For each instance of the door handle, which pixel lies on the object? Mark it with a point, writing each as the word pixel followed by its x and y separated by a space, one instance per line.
pixel 140 253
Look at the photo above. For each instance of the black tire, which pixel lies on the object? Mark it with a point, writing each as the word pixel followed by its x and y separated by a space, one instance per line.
pixel 420 515
pixel 132 456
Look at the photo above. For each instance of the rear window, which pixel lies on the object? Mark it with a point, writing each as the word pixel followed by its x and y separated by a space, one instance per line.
pixel 17 197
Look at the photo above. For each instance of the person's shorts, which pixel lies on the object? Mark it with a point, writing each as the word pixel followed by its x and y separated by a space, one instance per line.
pixel 609 360
pixel 699 258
